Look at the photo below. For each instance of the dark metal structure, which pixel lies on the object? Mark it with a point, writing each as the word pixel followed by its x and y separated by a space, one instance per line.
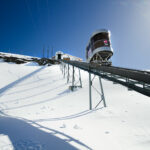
pixel 74 77
pixel 136 80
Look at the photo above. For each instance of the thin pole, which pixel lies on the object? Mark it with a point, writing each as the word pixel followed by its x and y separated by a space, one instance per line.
pixel 90 92
pixel 68 74
pixel 61 67
pixel 73 77
pixel 64 70
pixel 101 86
pixel 80 79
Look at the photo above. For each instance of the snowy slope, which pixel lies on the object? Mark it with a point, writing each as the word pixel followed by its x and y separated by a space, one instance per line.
pixel 16 55
pixel 37 111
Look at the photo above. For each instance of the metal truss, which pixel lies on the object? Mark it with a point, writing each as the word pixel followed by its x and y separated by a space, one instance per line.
pixel 136 80
pixel 101 92
pixel 75 77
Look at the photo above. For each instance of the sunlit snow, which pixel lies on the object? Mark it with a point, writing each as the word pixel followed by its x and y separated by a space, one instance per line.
pixel 37 111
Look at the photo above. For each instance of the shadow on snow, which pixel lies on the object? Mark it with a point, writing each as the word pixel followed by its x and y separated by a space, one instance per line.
pixel 25 136
pixel 2 90
pixel 36 103
pixel 80 114
pixel 32 88
pixel 33 95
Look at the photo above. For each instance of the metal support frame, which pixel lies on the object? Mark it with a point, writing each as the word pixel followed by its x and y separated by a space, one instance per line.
pixel 64 70
pixel 80 78
pixel 136 80
pixel 139 80
pixel 68 73
pixel 76 80
pixel 128 82
pixel 74 85
pixel 61 67
pixel 90 92
pixel 101 93
pixel 73 78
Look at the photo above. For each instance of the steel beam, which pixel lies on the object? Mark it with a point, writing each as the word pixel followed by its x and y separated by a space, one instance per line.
pixel 90 92
pixel 102 92
pixel 110 73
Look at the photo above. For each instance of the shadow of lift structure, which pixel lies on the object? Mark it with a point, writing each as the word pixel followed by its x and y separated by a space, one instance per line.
pixel 27 134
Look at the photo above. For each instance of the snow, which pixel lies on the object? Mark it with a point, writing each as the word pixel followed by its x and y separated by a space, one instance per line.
pixel 31 64
pixel 37 111
pixel 16 55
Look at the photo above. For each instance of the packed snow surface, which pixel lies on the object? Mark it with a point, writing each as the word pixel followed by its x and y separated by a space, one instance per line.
pixel 38 112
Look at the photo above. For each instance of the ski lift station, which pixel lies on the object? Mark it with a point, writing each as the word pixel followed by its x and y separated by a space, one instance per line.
pixel 62 56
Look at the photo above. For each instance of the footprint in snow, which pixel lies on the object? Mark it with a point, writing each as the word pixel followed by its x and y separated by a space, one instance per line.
pixel 123 121
pixel 106 132
pixel 63 126
pixel 76 127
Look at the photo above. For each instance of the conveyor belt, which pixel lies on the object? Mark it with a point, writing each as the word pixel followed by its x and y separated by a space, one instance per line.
pixel 135 79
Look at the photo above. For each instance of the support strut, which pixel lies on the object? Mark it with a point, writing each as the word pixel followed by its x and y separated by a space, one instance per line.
pixel 90 92
pixel 101 93
pixel 68 74
pixel 76 81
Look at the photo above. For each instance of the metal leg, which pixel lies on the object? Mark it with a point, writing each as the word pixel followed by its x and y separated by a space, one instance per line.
pixel 61 68
pixel 102 92
pixel 68 74
pixel 73 78
pixel 74 81
pixel 80 79
pixel 90 92
pixel 64 70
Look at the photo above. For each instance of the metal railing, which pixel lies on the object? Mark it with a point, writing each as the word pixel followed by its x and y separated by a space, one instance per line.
pixel 133 79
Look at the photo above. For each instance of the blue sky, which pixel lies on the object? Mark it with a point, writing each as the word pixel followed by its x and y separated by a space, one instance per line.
pixel 28 25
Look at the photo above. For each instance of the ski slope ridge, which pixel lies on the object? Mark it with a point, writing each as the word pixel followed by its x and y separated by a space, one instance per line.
pixel 37 111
